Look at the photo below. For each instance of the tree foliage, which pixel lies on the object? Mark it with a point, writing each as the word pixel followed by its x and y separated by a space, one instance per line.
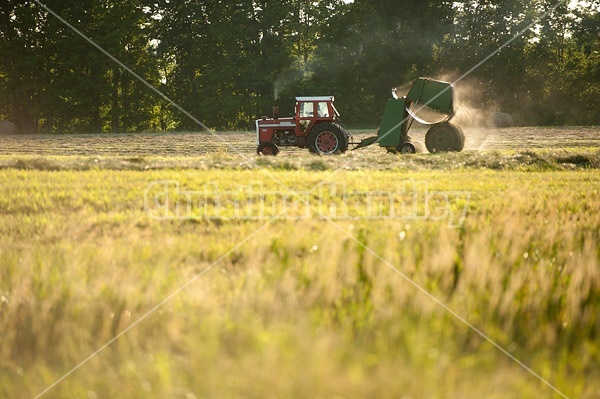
pixel 226 62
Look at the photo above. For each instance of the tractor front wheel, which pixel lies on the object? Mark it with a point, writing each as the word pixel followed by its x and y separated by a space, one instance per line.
pixel 445 137
pixel 267 148
pixel 328 138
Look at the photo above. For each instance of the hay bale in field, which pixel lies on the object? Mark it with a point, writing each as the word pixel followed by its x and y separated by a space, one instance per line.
pixel 500 119
pixel 7 127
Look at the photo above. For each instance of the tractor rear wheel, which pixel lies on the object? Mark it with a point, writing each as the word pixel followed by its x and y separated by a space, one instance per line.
pixel 267 148
pixel 445 137
pixel 328 138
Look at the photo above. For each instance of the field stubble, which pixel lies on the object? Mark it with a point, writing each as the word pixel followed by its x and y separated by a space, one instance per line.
pixel 197 144
pixel 302 309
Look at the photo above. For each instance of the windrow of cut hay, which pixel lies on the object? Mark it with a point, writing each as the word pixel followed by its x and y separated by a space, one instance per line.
pixel 529 160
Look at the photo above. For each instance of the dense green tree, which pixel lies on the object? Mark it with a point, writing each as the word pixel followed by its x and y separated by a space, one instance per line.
pixel 225 62
pixel 563 64
pixel 224 57
pixel 372 46
pixel 102 95
pixel 57 80
pixel 541 69
pixel 22 70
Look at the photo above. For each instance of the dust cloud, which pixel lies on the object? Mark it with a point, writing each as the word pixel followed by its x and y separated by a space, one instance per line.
pixel 472 109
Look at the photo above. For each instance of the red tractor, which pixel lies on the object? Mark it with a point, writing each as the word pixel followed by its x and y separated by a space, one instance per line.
pixel 315 126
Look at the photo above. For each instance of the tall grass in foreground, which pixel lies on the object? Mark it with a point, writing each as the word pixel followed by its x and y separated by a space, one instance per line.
pixel 302 309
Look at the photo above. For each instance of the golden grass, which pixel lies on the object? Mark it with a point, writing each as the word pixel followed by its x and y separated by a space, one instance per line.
pixel 302 309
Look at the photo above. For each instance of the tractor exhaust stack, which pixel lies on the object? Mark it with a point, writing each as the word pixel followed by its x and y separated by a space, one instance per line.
pixel 276 109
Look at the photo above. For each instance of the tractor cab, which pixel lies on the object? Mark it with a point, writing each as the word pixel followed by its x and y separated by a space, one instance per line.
pixel 313 110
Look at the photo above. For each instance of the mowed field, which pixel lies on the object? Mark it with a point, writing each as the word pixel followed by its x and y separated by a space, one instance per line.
pixel 195 144
pixel 186 266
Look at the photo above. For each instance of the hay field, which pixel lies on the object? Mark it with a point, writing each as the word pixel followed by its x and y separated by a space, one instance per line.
pixel 240 143
pixel 372 284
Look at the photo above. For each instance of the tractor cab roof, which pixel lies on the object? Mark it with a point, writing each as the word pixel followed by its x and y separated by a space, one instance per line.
pixel 317 98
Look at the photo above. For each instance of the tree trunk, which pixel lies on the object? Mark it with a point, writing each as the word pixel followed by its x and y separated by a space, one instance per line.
pixel 24 117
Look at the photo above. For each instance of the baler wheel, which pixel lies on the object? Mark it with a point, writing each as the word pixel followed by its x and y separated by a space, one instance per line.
pixel 407 148
pixel 445 137
pixel 328 138
pixel 267 148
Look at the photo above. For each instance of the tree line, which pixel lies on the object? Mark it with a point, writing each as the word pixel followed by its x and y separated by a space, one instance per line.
pixel 225 62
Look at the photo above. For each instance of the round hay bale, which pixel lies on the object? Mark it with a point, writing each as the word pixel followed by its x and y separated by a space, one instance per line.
pixel 444 137
pixel 7 127
pixel 500 119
